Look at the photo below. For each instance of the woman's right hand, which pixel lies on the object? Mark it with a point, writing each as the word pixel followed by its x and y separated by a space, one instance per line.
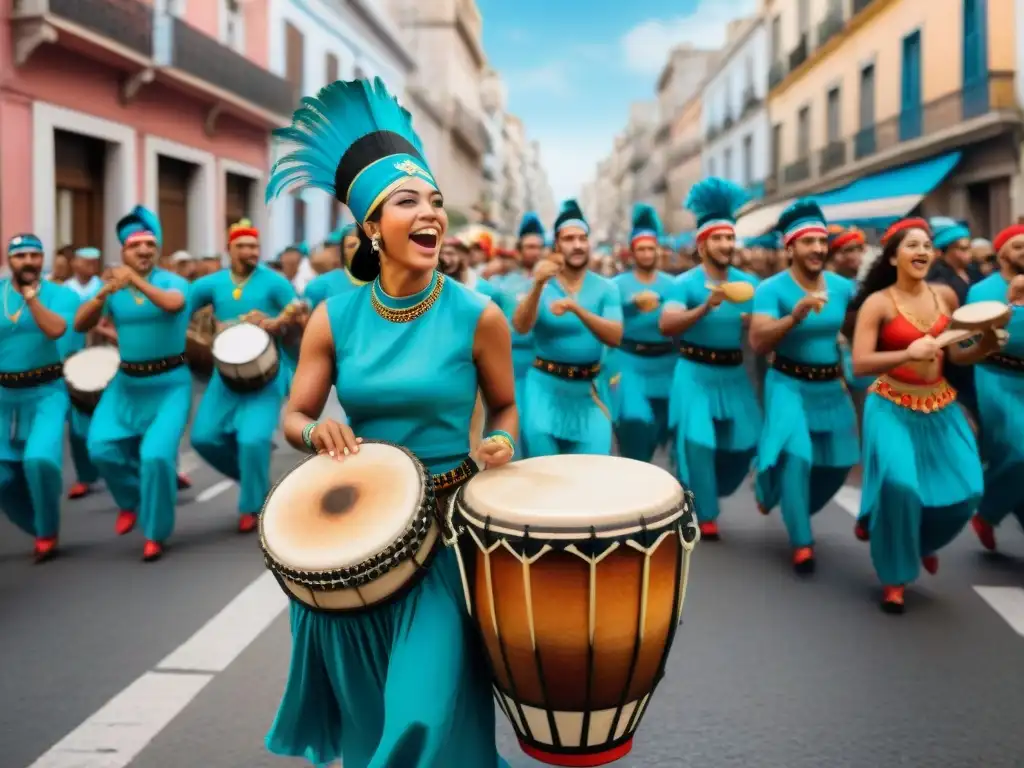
pixel 925 348
pixel 334 439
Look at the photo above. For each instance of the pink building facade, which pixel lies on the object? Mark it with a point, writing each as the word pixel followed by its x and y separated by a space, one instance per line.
pixel 105 104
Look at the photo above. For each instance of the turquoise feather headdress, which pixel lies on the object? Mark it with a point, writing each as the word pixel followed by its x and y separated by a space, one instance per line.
pixel 352 140
pixel 714 202
pixel 646 224
pixel 531 225
pixel 570 215
pixel 804 217
pixel 141 222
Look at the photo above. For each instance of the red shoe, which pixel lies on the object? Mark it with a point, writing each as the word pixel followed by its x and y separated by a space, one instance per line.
pixel 709 531
pixel 125 522
pixel 45 548
pixel 892 600
pixel 861 532
pixel 931 563
pixel 248 523
pixel 763 509
pixel 184 482
pixel 985 532
pixel 78 490
pixel 152 550
pixel 803 560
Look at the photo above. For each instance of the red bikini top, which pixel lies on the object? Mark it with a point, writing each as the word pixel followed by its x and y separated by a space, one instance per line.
pixel 900 332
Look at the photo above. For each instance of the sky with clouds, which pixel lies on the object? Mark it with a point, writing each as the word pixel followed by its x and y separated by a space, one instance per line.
pixel 573 67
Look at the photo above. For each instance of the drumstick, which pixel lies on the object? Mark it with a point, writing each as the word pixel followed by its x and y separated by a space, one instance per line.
pixel 946 338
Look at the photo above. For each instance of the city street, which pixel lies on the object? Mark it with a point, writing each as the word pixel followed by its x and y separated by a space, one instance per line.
pixel 108 662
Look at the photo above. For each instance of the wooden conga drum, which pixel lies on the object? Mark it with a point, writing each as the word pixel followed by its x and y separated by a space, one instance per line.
pixel 575 571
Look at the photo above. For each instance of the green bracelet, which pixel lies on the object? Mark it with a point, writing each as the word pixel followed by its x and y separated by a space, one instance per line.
pixel 503 436
pixel 307 435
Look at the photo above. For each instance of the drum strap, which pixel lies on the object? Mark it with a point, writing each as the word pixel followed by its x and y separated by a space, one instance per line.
pixel 146 368
pixel 34 378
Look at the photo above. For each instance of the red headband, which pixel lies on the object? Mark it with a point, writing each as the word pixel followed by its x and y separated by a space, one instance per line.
pixel 845 239
pixel 244 228
pixel 1007 235
pixel 904 224
pixel 136 237
pixel 641 238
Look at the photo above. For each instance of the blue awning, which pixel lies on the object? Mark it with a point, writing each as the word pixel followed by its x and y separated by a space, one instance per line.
pixel 879 200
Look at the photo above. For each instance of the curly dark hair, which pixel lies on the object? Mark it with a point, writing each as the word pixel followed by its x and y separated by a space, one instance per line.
pixel 882 273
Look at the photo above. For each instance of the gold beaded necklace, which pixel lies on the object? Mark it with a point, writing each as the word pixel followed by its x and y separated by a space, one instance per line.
pixel 239 286
pixel 407 314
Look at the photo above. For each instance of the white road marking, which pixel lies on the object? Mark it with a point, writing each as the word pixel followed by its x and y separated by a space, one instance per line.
pixel 214 490
pixel 1008 602
pixel 848 497
pixel 121 728
pixel 226 635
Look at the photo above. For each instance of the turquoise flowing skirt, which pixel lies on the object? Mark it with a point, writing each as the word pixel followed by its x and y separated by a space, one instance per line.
pixel 640 402
pixel 565 416
pixel 717 423
pixel 522 363
pixel 399 686
pixel 922 481
pixel 1001 413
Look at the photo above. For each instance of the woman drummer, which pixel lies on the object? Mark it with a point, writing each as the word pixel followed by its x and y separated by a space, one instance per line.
pixel 403 684
pixel 922 474
pixel 1000 388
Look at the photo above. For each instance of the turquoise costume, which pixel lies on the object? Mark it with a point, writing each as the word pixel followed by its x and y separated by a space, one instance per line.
pixel 33 405
pixel 138 424
pixel 999 380
pixel 809 441
pixel 78 422
pixel 565 408
pixel 402 684
pixel 233 431
pixel 335 282
pixel 645 360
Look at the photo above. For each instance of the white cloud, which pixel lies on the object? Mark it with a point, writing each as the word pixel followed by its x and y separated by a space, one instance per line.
pixel 647 45
pixel 549 79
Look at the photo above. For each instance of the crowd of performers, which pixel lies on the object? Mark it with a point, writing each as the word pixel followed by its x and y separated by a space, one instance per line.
pixel 564 360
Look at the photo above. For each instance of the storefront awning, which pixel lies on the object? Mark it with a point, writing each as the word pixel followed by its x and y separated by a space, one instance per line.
pixel 878 200
pixel 761 220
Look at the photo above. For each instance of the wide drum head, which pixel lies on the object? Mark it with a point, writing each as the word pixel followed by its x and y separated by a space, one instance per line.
pixel 329 514
pixel 92 370
pixel 982 315
pixel 240 344
pixel 573 497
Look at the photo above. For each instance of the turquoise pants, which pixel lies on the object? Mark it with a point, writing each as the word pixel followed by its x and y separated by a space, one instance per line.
pixel 78 438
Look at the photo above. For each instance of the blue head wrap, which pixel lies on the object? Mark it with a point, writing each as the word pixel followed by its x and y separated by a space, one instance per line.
pixel 646 224
pixel 804 217
pixel 90 254
pixel 352 140
pixel 24 243
pixel 140 222
pixel 714 203
pixel 946 231
pixel 570 215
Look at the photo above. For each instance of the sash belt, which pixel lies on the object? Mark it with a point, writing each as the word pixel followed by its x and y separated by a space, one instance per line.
pixel 152 367
pixel 572 371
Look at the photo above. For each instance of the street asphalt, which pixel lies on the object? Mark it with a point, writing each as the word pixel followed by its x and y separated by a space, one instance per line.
pixel 768 671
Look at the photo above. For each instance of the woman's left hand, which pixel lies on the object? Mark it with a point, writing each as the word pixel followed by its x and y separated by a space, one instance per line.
pixel 493 452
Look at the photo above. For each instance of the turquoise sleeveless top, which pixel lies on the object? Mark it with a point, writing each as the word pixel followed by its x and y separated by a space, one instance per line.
pixel 564 339
pixel 332 283
pixel 722 327
pixel 516 286
pixel 637 325
pixel 816 340
pixel 490 290
pixel 144 331
pixel 994 288
pixel 264 290
pixel 23 347
pixel 414 383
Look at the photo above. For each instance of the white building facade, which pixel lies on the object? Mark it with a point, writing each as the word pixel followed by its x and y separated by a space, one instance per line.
pixel 312 43
pixel 735 122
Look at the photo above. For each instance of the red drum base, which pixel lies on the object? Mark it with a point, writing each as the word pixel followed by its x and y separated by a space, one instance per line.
pixel 579 761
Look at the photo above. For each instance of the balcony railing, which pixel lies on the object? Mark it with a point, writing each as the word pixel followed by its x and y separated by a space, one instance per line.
pixel 199 55
pixel 776 73
pixel 830 26
pixel 126 22
pixel 798 55
pixel 996 92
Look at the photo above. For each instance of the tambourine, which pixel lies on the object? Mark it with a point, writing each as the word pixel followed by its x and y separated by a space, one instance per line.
pixel 972 319
pixel 736 292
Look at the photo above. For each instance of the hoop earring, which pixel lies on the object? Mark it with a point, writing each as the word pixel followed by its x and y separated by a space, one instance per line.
pixel 375 243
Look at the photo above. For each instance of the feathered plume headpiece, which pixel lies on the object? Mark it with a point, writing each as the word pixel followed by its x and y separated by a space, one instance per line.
pixel 140 224
pixel 570 215
pixel 714 202
pixel 531 225
pixel 646 225
pixel 804 217
pixel 352 140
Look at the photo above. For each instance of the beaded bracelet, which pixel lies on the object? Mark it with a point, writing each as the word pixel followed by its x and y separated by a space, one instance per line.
pixel 307 435
pixel 504 437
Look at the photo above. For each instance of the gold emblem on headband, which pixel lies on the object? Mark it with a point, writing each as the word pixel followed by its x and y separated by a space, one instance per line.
pixel 409 168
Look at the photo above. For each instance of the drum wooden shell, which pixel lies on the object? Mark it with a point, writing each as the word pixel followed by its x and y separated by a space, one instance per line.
pixel 381 576
pixel 87 374
pixel 199 353
pixel 577 634
pixel 250 371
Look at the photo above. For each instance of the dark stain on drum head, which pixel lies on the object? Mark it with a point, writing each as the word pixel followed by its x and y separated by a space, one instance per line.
pixel 560 592
pixel 339 500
